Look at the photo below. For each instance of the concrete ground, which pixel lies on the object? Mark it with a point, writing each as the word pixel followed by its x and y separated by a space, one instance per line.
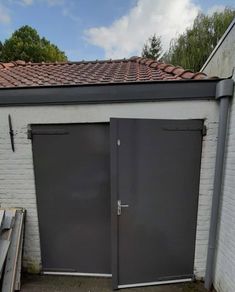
pixel 32 283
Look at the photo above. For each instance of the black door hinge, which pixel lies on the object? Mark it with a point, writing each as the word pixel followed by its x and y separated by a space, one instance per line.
pixel 11 133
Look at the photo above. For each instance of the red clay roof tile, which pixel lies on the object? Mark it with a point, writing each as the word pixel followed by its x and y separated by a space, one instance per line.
pixel 136 69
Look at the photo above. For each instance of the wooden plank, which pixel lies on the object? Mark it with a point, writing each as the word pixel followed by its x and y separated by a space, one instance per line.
pixel 4 246
pixel 6 234
pixel 11 262
pixel 19 263
pixel 2 214
pixel 9 219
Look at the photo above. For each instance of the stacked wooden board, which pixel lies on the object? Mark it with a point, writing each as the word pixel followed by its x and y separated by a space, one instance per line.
pixel 11 246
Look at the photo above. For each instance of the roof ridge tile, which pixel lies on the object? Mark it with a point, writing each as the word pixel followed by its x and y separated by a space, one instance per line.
pixel 202 75
pixel 177 71
pixel 7 64
pixel 186 74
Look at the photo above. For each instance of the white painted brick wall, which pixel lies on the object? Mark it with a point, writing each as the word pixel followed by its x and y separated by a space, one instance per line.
pixel 206 190
pixel 17 186
pixel 225 263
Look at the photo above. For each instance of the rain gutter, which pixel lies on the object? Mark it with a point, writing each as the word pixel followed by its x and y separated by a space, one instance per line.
pixel 224 92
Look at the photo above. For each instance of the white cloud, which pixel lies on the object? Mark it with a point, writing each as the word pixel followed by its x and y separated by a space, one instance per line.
pixel 69 10
pixel 125 36
pixel 27 2
pixel 49 2
pixel 55 2
pixel 5 17
pixel 67 7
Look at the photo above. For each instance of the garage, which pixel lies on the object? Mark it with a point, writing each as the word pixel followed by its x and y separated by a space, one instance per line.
pixel 114 163
pixel 155 184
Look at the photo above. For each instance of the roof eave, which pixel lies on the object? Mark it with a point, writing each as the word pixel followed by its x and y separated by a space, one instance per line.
pixel 110 93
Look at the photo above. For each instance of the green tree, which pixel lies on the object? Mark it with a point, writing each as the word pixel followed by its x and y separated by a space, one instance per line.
pixel 152 48
pixel 192 48
pixel 26 44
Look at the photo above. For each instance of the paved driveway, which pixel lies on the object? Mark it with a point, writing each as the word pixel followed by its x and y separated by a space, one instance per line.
pixel 85 284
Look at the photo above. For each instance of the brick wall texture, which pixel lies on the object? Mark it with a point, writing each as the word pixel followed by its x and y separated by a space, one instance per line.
pixel 225 257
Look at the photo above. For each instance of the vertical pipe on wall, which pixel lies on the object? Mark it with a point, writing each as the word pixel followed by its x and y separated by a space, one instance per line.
pixel 224 91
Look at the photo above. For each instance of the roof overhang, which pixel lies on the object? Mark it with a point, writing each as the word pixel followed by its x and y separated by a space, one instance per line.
pixel 110 93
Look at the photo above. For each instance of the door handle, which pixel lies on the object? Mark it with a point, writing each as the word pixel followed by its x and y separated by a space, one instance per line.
pixel 120 206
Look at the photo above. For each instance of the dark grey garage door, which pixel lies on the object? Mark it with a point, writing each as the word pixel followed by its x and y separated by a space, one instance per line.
pixel 155 185
pixel 72 168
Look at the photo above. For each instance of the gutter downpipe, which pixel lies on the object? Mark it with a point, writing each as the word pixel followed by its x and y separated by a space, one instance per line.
pixel 224 91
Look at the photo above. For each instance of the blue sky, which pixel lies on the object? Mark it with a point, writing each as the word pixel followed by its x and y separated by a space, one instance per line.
pixel 98 29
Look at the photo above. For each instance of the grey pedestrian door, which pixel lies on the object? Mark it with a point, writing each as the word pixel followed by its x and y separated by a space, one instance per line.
pixel 72 169
pixel 155 167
